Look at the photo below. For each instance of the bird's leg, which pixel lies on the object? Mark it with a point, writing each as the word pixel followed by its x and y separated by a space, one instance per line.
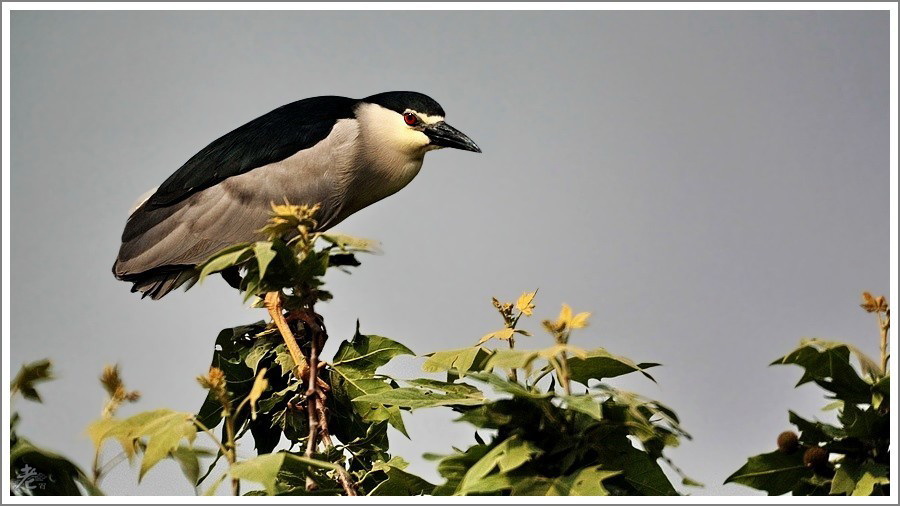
pixel 318 336
pixel 273 304
pixel 309 371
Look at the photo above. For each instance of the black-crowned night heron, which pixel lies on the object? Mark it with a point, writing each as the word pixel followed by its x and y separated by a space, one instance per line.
pixel 342 153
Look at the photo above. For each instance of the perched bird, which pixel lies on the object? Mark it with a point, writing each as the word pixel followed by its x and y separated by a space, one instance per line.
pixel 342 153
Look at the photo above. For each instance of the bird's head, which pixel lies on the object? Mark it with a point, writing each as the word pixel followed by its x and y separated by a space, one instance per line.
pixel 410 122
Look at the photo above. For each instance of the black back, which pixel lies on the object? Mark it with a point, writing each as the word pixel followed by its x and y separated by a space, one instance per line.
pixel 267 139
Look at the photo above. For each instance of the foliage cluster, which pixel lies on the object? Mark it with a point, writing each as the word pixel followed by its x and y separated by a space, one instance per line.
pixel 851 458
pixel 546 421
pixel 30 465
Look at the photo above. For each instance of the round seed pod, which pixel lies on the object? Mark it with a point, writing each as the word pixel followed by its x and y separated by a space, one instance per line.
pixel 788 442
pixel 815 457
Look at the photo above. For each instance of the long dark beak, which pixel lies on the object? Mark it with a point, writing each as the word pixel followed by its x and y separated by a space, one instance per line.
pixel 444 135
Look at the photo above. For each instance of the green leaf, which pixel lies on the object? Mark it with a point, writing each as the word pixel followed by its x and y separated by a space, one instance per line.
pixel 828 365
pixel 460 360
pixel 35 471
pixel 866 423
pixel 261 348
pixel 269 468
pixel 366 353
pixel 853 478
pixel 487 416
pixel 353 375
pixel 284 359
pixel 881 391
pixel 815 432
pixel 264 255
pixel 600 364
pixel 511 387
pixel 28 377
pixel 187 458
pixel 399 482
pixel 228 257
pixel 231 350
pixel 459 389
pixel 512 359
pixel 776 472
pixel 639 470
pixel 504 457
pixel 415 398
pixel 454 467
pixel 585 404
pixel 586 482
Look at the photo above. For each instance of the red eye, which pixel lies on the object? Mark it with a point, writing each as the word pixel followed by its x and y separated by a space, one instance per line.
pixel 410 119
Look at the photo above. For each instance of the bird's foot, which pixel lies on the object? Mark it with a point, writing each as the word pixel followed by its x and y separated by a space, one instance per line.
pixel 321 384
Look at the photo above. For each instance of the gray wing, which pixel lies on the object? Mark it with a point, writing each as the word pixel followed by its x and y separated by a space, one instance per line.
pixel 161 246
pixel 172 240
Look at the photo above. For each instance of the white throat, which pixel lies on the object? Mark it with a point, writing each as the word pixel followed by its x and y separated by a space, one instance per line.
pixel 392 152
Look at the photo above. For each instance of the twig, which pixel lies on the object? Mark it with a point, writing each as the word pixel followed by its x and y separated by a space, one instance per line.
pixel 312 399
pixel 316 401
pixel 513 373
pixel 343 476
pixel 564 377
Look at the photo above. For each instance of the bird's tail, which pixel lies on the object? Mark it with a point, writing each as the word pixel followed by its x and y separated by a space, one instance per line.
pixel 156 283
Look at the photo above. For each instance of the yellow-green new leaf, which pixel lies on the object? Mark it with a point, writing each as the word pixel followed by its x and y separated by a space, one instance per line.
pixel 162 429
pixel 164 433
pixel 259 386
pixel 502 334
pixel 852 478
pixel 461 360
pixel 228 257
pixel 525 303
pixel 350 243
pixel 580 320
pixel 264 255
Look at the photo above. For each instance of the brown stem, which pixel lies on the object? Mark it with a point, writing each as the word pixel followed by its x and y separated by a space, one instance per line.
pixel 513 373
pixel 308 370
pixel 563 373
pixel 566 382
pixel 312 400
pixel 343 476
pixel 232 453
pixel 316 398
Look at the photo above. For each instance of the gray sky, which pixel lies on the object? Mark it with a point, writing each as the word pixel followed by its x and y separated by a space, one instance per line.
pixel 712 186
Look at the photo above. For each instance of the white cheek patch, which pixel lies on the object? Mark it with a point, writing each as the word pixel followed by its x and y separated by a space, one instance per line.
pixel 388 127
